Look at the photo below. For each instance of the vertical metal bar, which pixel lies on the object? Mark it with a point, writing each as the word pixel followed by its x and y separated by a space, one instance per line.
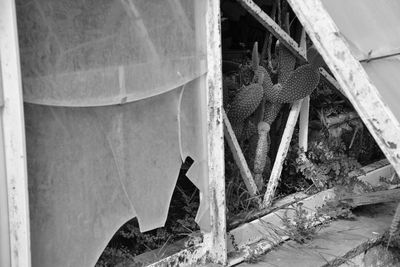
pixel 216 239
pixel 378 118
pixel 14 138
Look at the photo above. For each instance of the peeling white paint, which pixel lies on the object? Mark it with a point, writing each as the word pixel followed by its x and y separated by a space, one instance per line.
pixel 14 138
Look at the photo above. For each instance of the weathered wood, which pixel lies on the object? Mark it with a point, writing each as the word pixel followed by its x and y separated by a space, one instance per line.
pixel 303 124
pixel 281 154
pixel 335 243
pixel 257 214
pixel 356 200
pixel 215 241
pixel 261 235
pixel 364 96
pixel 239 157
pixel 14 150
pixel 260 229
pixel 4 219
pixel 305 106
pixel 327 77
pixel 194 256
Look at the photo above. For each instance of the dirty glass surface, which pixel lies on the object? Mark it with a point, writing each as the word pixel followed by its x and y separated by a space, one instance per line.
pixel 384 74
pixel 101 52
pixel 371 27
pixel 115 99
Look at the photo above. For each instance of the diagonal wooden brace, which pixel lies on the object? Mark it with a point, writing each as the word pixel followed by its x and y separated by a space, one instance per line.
pixel 239 157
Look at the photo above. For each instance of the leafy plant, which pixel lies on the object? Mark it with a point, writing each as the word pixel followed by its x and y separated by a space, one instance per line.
pixel 335 209
pixel 301 226
pixel 327 163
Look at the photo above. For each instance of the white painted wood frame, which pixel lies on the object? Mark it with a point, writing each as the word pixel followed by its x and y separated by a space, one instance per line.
pixel 13 167
pixel 216 239
pixel 365 97
pixel 214 246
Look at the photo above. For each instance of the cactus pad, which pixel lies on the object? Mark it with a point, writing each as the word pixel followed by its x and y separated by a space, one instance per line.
pixel 300 84
pixel 272 94
pixel 266 82
pixel 238 129
pixel 249 130
pixel 245 103
pixel 286 64
pixel 271 112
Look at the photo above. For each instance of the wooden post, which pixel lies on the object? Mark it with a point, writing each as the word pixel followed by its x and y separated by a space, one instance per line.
pixel 281 154
pixel 305 107
pixel 14 160
pixel 303 124
pixel 216 239
pixel 239 157
pixel 5 259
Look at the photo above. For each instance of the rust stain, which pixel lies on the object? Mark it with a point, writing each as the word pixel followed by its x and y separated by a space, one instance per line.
pixel 391 145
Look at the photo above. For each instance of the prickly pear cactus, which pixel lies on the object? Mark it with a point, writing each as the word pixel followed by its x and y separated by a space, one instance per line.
pixel 245 103
pixel 293 84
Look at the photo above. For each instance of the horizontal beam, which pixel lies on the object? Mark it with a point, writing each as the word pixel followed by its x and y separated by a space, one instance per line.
pixel 355 200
